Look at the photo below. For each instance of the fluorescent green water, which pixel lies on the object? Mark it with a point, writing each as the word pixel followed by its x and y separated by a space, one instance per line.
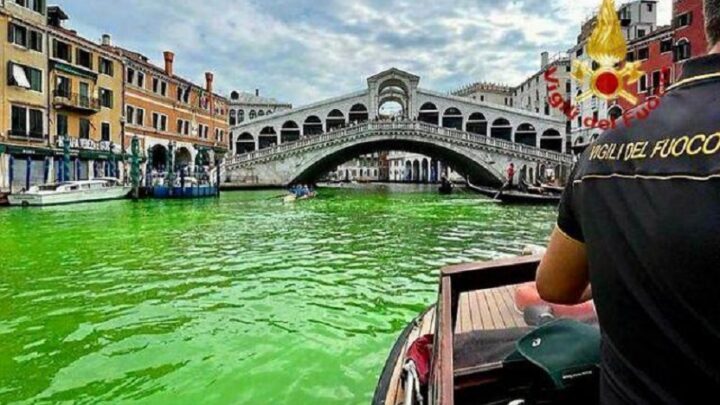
pixel 236 300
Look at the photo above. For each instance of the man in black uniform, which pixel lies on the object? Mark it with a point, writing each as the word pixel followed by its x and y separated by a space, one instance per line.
pixel 640 221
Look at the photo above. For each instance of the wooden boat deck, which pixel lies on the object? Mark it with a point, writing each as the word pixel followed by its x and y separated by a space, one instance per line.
pixel 478 310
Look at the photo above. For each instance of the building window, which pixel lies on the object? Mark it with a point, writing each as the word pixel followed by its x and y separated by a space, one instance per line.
pixel 160 122
pixel 642 84
pixel 84 58
pixel 207 129
pixel 37 6
pixel 25 77
pixel 650 7
pixel 130 114
pixel 666 45
pixel 683 20
pixel 36 41
pixel 131 75
pixel 140 117
pixel 682 50
pixel 84 128
pixel 26 122
pixel 63 86
pixel 156 85
pixel 105 131
pixel 18 35
pixel 141 79
pixel 655 81
pixel 106 66
pixel 106 98
pixel 62 125
pixel 186 129
pixel 62 51
pixel 640 33
pixel 579 52
pixel 179 126
pixel 643 53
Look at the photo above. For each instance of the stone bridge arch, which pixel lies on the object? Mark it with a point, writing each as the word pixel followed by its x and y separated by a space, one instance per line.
pixel 471 163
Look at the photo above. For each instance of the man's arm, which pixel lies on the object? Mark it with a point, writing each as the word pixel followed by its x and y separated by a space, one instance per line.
pixel 562 277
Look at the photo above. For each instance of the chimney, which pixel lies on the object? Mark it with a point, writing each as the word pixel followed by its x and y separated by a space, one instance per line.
pixel 169 59
pixel 209 82
pixel 106 40
pixel 257 92
pixel 544 59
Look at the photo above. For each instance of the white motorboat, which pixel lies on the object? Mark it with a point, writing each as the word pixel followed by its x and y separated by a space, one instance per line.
pixel 71 192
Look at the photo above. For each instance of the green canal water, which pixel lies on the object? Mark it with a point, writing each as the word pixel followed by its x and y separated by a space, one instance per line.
pixel 236 300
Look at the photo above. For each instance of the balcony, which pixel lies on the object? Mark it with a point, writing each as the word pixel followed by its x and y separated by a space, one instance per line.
pixel 75 102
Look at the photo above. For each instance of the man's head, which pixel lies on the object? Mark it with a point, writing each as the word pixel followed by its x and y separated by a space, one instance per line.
pixel 712 21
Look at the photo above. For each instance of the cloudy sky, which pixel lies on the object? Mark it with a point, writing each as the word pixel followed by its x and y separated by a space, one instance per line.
pixel 301 51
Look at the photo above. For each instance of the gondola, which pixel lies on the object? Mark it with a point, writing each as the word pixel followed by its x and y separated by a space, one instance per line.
pixel 518 197
pixel 445 188
pixel 478 345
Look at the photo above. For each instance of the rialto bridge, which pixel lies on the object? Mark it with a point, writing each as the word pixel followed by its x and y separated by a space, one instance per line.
pixel 474 138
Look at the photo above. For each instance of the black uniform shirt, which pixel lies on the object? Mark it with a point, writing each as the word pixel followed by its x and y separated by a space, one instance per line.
pixel 645 198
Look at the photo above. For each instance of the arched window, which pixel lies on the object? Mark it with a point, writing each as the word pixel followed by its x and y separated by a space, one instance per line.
pixel 526 134
pixel 290 132
pixel 312 126
pixel 234 95
pixel 268 137
pixel 335 120
pixel 261 113
pixel 477 124
pixel 551 140
pixel 453 118
pixel 429 113
pixel 244 143
pixel 252 115
pixel 358 113
pixel 240 116
pixel 233 120
pixel 501 129
pixel 682 50
pixel 615 112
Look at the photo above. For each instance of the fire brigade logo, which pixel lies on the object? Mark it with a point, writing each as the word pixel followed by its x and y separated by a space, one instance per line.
pixel 607 47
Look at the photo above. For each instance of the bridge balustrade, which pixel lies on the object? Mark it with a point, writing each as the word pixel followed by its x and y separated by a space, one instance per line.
pixel 417 126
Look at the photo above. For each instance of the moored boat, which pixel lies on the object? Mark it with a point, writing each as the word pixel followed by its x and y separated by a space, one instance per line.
pixel 71 192
pixel 476 345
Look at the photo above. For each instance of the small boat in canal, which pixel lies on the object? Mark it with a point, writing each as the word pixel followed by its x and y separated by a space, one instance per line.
pixel 489 339
pixel 446 187
pixel 516 196
pixel 100 189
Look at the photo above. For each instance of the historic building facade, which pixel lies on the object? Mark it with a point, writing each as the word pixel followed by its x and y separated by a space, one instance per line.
pixel 86 102
pixel 247 106
pixel 173 118
pixel 25 146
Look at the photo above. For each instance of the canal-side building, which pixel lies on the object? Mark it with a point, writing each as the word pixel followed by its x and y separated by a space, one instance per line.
pixel 484 92
pixel 25 146
pixel 86 102
pixel 248 106
pixel 688 32
pixel 167 112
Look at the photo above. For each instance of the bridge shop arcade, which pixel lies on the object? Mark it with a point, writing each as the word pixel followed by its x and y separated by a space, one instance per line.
pixel 503 134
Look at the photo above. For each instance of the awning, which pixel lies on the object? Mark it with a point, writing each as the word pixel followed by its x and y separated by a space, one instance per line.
pixel 95 155
pixel 63 67
pixel 19 76
pixel 27 150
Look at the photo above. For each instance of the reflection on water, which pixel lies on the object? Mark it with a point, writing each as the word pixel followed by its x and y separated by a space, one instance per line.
pixel 240 300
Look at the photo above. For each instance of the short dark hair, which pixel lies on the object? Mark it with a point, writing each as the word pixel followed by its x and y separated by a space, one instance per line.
pixel 712 21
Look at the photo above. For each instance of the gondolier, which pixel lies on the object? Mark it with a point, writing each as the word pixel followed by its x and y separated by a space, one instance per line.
pixel 639 220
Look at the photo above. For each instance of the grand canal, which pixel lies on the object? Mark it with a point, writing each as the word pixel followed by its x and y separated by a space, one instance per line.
pixel 236 300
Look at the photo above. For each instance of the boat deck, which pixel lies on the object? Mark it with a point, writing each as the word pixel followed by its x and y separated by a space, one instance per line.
pixel 478 310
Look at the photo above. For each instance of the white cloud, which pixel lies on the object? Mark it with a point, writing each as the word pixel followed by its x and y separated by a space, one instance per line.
pixel 304 50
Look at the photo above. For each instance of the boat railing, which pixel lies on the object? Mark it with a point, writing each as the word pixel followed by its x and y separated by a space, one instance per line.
pixel 458 279
pixel 415 126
